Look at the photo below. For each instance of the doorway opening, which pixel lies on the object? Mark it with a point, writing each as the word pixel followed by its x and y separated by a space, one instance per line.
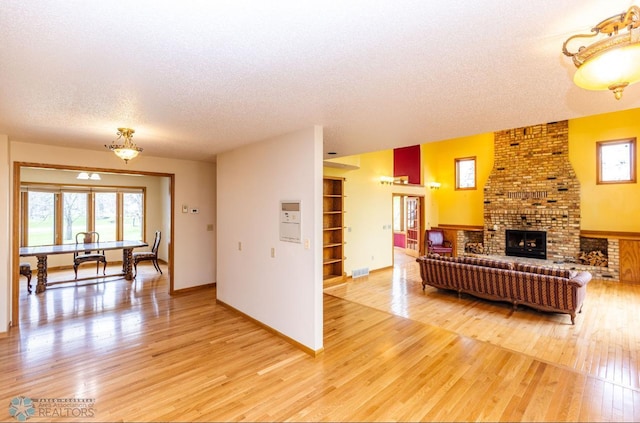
pixel 159 211
pixel 408 223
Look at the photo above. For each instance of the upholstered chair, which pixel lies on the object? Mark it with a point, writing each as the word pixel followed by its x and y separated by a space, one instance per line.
pixel 435 243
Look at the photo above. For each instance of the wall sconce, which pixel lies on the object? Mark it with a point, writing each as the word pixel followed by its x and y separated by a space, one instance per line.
pixel 610 61
pixel 85 175
pixel 386 180
pixel 434 185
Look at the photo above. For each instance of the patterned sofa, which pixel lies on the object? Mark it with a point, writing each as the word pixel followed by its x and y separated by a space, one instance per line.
pixel 543 288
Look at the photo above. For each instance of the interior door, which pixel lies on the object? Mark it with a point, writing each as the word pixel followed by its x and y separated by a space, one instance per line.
pixel 412 225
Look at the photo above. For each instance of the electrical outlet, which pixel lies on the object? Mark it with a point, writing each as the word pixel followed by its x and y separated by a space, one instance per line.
pixel 239 246
pixel 273 252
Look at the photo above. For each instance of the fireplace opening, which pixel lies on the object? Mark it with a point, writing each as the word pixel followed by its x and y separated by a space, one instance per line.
pixel 532 244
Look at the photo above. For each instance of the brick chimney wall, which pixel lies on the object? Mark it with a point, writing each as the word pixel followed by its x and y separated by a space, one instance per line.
pixel 533 187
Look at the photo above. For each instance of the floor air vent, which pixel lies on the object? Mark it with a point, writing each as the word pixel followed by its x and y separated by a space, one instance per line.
pixel 358 273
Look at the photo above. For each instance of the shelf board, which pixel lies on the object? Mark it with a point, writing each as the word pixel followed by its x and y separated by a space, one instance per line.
pixel 336 278
pixel 329 261
pixel 336 244
pixel 332 229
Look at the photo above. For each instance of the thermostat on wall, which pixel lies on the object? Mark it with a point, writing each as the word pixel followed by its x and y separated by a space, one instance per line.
pixel 290 221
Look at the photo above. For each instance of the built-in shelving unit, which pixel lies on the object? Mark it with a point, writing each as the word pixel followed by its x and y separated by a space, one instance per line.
pixel 333 229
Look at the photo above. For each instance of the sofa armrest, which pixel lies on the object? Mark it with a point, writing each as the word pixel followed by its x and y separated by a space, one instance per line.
pixel 581 279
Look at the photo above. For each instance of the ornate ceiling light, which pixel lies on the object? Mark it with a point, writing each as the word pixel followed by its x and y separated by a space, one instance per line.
pixel 128 150
pixel 612 61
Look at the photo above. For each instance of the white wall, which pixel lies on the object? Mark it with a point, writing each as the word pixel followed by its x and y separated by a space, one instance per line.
pixel 194 246
pixel 283 292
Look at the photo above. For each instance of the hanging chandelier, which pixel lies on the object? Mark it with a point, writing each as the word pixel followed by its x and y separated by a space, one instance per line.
pixel 612 61
pixel 127 150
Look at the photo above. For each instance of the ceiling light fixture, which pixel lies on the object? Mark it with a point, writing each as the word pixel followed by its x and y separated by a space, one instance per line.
pixel 85 175
pixel 128 150
pixel 610 62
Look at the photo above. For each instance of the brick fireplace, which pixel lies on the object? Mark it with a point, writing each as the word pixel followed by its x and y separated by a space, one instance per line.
pixel 533 187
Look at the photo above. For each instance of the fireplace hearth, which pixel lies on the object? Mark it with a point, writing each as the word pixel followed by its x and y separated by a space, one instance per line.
pixel 531 244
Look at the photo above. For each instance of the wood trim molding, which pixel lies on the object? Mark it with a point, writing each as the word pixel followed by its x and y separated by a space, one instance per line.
pixel 193 288
pixel 15 248
pixel 460 227
pixel 311 352
pixel 610 234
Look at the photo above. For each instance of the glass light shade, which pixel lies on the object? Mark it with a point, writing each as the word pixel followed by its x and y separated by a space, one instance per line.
pixel 126 154
pixel 610 69
pixel 82 175
pixel 128 150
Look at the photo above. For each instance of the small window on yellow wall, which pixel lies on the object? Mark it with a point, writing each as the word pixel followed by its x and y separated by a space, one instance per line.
pixel 466 173
pixel 616 161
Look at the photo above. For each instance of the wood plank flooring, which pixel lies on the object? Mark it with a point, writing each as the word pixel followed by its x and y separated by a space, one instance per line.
pixel 392 353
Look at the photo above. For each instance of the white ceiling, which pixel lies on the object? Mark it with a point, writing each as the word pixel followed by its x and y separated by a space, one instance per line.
pixel 195 78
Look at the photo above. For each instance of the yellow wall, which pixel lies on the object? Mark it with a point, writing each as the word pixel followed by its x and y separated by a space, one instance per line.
pixel 611 207
pixel 448 206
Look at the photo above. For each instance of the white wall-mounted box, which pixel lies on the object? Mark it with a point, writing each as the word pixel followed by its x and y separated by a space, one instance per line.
pixel 290 225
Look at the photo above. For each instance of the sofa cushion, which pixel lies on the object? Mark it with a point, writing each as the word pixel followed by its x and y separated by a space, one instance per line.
pixel 549 271
pixel 485 262
pixel 479 261
pixel 476 261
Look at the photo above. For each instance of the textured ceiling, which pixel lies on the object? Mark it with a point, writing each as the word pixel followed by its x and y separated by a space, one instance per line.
pixel 195 78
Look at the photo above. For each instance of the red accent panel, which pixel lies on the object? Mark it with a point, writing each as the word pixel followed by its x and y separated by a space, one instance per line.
pixel 399 240
pixel 406 162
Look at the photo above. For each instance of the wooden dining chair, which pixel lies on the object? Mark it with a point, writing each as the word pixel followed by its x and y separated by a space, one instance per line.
pixel 83 256
pixel 148 255
pixel 25 270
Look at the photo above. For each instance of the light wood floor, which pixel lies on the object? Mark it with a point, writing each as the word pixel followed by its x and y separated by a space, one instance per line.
pixel 392 353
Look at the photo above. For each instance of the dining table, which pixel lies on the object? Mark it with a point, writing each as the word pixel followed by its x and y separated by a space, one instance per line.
pixel 43 251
